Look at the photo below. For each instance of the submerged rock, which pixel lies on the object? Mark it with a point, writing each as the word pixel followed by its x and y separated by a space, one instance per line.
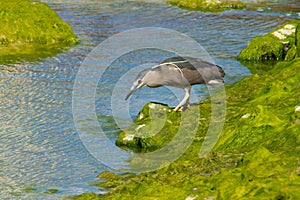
pixel 280 44
pixel 31 30
pixel 208 5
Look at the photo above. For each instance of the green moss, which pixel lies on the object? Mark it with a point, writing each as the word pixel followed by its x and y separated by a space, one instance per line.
pixel 31 30
pixel 269 100
pixel 256 157
pixel 291 54
pixel 279 44
pixel 111 180
pixel 88 196
pixel 208 6
pixel 263 48
pixel 146 136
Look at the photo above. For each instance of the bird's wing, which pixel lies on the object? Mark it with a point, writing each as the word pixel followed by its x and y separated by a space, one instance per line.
pixel 196 71
pixel 192 64
pixel 187 62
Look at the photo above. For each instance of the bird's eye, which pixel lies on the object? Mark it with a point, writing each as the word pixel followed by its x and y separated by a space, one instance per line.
pixel 139 81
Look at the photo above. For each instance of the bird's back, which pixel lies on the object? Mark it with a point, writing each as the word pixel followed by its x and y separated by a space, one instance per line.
pixel 196 71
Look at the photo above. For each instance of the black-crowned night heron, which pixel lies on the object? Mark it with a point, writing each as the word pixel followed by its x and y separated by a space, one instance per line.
pixel 181 72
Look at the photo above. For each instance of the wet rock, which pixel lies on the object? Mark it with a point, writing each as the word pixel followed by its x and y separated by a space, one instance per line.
pixel 150 131
pixel 279 44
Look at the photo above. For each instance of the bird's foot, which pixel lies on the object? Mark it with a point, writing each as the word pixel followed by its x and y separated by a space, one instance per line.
pixel 178 108
pixel 182 108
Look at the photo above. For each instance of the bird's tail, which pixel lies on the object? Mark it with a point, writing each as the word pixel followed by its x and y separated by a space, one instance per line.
pixel 222 72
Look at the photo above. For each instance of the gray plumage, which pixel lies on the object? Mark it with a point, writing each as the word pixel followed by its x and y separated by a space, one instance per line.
pixel 181 72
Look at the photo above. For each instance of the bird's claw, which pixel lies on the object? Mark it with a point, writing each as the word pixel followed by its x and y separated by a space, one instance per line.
pixel 181 108
pixel 178 108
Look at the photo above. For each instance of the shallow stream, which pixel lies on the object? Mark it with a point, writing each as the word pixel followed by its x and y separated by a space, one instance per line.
pixel 40 147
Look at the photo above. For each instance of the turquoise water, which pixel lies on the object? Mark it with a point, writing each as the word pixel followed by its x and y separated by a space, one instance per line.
pixel 40 146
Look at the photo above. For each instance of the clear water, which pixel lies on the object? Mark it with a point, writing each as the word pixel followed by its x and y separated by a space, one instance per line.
pixel 40 147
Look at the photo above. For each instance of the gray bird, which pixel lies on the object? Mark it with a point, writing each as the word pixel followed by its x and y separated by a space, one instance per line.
pixel 181 72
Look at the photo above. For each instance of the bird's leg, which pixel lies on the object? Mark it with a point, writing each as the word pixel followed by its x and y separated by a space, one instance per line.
pixel 185 99
pixel 187 103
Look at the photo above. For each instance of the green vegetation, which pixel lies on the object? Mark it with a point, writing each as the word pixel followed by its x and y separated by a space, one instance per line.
pixel 146 135
pixel 31 30
pixel 280 44
pixel 208 6
pixel 256 157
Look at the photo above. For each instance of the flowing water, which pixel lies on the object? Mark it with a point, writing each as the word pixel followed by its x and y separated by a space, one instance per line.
pixel 40 147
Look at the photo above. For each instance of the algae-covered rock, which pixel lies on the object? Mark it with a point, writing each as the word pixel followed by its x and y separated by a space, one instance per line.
pixel 208 5
pixel 146 134
pixel 157 125
pixel 31 30
pixel 279 44
pixel 270 101
pixel 256 157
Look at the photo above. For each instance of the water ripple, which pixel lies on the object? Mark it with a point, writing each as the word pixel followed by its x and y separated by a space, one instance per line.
pixel 40 147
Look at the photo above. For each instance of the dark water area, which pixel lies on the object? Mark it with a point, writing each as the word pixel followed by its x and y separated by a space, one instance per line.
pixel 40 146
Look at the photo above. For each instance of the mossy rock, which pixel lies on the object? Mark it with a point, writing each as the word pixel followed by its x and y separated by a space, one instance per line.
pixel 150 131
pixel 31 30
pixel 157 125
pixel 279 44
pixel 208 6
pixel 256 157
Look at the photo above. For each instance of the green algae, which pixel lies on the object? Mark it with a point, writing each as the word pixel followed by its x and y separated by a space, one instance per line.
pixel 279 44
pixel 256 157
pixel 270 105
pixel 31 30
pixel 208 6
pixel 87 196
pixel 146 135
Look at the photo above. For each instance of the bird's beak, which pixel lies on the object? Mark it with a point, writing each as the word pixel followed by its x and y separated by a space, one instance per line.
pixel 130 93
pixel 133 89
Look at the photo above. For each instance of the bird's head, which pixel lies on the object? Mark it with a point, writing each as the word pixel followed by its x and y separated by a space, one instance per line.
pixel 139 82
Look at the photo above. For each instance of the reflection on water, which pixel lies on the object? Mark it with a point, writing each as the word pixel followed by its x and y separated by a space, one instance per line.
pixel 40 147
